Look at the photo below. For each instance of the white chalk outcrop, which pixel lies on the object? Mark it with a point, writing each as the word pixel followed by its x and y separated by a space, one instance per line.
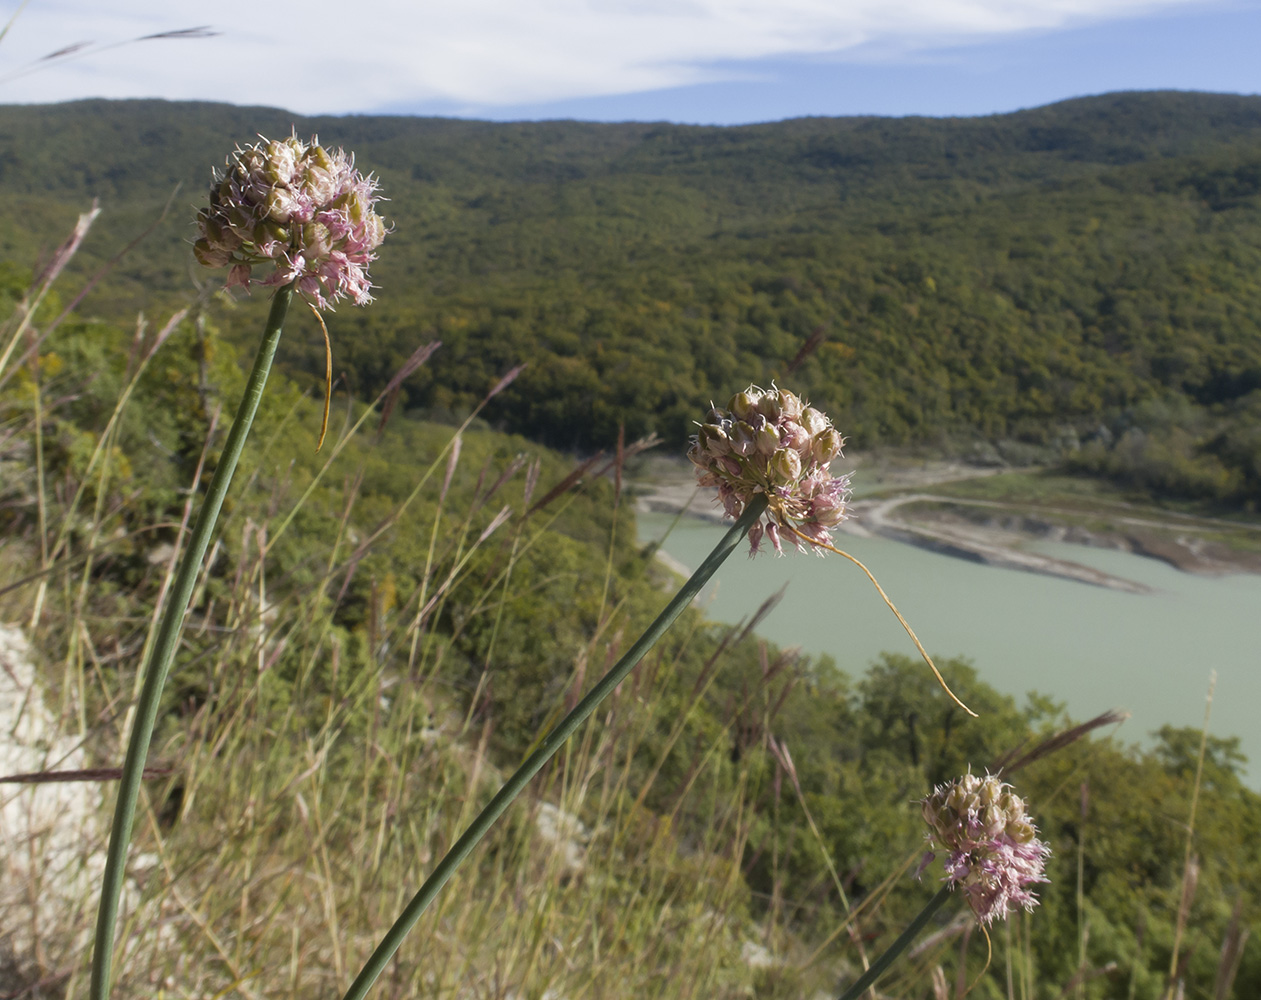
pixel 52 834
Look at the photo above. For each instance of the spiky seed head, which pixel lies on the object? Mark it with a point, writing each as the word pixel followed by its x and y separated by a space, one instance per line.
pixel 303 210
pixel 992 850
pixel 768 442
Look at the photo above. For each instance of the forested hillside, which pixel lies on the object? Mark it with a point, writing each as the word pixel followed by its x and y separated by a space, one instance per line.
pixel 1086 272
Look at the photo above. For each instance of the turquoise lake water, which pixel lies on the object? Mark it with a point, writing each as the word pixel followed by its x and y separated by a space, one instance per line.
pixel 1091 648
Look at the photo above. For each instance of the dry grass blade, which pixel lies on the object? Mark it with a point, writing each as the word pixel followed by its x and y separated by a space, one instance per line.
pixel 88 286
pixel 9 24
pixel 65 50
pixel 1013 760
pixel 1084 976
pixel 110 264
pixel 201 31
pixel 510 470
pixel 812 344
pixel 43 282
pixel 77 50
pixel 957 925
pixel 388 522
pixel 156 343
pixel 629 452
pixel 779 749
pixel 589 466
pixel 764 609
pixel 79 557
pixel 1232 953
pixel 566 484
pixel 1190 882
pixel 503 383
pixel 455 571
pixel 61 256
pixel 1190 865
pixel 621 459
pixel 83 774
pixel 418 357
pixel 531 482
pixel 392 388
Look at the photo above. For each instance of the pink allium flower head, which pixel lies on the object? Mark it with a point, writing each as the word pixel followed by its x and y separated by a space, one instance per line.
pixel 993 852
pixel 769 442
pixel 298 207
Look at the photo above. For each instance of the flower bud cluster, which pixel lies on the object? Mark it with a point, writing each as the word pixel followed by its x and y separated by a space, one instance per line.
pixel 299 207
pixel 993 850
pixel 771 443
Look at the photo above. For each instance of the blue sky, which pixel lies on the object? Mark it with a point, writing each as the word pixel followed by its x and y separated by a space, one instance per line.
pixel 1213 48
pixel 705 61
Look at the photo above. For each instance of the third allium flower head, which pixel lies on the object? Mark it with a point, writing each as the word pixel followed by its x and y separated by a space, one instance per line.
pixel 771 443
pixel 300 208
pixel 992 849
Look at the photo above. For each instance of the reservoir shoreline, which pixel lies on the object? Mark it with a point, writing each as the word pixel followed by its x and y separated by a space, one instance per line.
pixel 993 533
pixel 996 582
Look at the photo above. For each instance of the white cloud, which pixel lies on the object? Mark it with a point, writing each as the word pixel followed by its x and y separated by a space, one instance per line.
pixel 322 56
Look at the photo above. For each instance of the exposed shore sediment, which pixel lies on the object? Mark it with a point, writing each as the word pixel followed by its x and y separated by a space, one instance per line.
pixel 990 532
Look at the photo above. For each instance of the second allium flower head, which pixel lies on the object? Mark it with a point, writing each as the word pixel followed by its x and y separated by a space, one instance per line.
pixel 771 443
pixel 297 206
pixel 993 851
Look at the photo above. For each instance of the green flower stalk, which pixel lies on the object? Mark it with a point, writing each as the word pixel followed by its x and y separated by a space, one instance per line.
pixel 309 214
pixel 894 951
pixel 770 454
pixel 552 742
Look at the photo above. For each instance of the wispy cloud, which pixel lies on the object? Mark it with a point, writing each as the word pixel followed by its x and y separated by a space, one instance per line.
pixel 322 56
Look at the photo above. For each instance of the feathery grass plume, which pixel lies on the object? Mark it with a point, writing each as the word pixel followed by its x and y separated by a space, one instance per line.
pixel 78 50
pixel 308 213
pixel 993 851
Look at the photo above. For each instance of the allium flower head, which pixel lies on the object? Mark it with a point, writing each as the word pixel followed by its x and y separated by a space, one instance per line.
pixel 993 851
pixel 297 206
pixel 770 442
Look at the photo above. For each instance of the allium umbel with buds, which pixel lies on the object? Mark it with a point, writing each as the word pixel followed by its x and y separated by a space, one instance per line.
pixel 769 442
pixel 299 207
pixel 993 851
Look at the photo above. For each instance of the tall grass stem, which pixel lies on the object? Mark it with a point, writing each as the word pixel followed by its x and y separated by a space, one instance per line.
pixel 547 748
pixel 904 940
pixel 158 665
pixel 1189 868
